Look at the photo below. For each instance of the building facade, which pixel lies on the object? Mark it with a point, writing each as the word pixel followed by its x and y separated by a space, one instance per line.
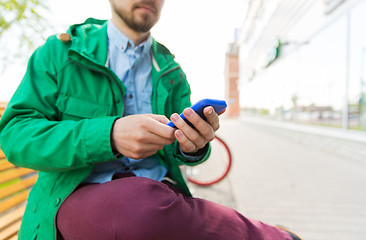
pixel 305 61
pixel 232 94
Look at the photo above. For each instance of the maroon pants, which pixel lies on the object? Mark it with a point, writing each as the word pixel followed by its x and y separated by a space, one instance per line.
pixel 140 208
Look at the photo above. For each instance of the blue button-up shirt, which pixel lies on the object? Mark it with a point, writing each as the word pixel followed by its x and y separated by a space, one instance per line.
pixel 132 64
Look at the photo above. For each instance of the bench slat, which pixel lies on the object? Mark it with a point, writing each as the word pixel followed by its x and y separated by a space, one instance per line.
pixel 13 201
pixel 4 165
pixel 15 237
pixel 15 173
pixel 17 187
pixel 11 217
pixel 10 231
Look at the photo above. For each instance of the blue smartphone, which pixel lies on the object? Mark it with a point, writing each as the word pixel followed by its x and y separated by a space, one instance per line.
pixel 218 106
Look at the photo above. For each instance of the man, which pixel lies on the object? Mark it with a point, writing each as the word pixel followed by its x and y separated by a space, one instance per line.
pixel 90 115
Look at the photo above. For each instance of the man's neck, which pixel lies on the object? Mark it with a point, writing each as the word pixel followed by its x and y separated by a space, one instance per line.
pixel 136 37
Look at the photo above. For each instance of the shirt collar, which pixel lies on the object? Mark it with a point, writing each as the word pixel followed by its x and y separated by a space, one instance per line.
pixel 119 40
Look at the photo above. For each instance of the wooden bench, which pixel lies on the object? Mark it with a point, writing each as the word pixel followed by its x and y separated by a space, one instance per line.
pixel 15 184
pixel 2 108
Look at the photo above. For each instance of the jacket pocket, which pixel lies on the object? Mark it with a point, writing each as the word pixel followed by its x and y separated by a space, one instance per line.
pixel 72 108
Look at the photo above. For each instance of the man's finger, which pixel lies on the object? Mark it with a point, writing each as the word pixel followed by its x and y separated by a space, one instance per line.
pixel 157 125
pixel 185 144
pixel 155 139
pixel 212 117
pixel 190 132
pixel 160 118
pixel 202 132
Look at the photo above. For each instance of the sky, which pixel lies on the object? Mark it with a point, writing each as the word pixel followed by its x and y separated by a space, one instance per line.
pixel 197 32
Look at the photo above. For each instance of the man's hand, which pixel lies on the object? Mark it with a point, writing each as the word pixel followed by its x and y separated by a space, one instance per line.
pixel 191 140
pixel 140 136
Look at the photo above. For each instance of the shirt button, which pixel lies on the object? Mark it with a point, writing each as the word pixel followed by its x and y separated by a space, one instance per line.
pixel 130 96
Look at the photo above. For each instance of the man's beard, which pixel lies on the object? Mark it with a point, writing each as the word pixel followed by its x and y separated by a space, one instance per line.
pixel 138 26
pixel 144 24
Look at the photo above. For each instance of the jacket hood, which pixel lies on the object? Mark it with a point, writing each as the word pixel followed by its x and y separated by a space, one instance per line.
pixel 90 39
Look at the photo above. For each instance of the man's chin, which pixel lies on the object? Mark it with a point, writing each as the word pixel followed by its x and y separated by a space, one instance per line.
pixel 143 27
pixel 143 24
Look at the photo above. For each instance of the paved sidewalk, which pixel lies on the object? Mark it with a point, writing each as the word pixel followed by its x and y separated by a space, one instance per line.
pixel 314 185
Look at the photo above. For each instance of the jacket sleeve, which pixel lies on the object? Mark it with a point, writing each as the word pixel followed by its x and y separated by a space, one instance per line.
pixel 31 134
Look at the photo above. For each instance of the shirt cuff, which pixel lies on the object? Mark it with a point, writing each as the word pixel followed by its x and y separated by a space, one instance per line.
pixel 194 158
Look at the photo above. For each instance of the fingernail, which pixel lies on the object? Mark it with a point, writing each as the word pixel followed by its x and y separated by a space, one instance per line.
pixel 175 117
pixel 188 112
pixel 178 134
pixel 210 111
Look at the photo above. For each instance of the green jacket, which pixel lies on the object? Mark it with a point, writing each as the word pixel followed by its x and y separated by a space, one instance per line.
pixel 60 118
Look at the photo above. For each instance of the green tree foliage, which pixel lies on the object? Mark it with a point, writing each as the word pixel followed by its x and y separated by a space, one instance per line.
pixel 21 27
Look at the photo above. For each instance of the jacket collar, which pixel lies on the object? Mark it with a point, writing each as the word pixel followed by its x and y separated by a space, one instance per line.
pixel 90 45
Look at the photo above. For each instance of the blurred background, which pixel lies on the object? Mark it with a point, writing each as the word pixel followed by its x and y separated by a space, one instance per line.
pixel 305 61
pixel 294 76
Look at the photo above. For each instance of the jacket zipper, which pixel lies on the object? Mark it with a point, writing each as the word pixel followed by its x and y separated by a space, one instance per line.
pixel 157 82
pixel 156 102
